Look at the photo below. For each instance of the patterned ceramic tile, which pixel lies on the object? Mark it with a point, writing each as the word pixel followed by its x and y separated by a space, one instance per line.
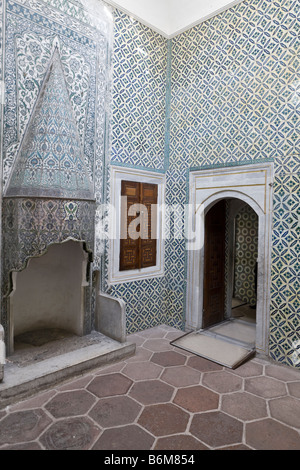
pixel 50 162
pixel 235 98
pixel 246 237
pixel 226 92
pixel 56 91
pixel 29 47
pixel 138 121
pixel 235 86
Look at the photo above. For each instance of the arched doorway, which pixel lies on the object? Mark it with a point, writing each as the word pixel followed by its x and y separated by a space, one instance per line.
pixel 237 187
pixel 230 268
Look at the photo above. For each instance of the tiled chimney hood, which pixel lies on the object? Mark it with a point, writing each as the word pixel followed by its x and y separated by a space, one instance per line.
pixel 49 198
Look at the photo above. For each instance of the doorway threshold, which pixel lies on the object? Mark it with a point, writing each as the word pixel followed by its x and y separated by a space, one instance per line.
pixel 229 343
pixel 234 331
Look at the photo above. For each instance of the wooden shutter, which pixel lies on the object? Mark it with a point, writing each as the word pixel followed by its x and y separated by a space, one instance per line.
pixel 148 228
pixel 139 253
pixel 129 248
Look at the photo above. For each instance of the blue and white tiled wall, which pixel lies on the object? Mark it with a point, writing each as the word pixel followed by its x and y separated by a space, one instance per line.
pixel 138 141
pixel 139 91
pixel 226 92
pixel 234 90
pixel 236 99
pixel 246 252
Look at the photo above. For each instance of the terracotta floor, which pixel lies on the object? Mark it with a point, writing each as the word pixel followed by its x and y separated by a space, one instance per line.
pixel 162 399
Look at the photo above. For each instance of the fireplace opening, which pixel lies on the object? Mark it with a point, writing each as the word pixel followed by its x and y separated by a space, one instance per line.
pixel 47 302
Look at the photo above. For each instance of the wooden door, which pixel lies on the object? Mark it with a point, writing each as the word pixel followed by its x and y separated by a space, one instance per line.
pixel 214 265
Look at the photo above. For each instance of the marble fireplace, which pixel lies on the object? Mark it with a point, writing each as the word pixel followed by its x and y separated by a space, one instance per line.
pixel 55 135
pixel 48 221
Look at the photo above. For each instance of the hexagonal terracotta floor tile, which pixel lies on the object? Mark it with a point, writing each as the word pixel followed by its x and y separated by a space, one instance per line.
pixel 23 426
pixel 196 399
pixel 70 434
pixel 75 384
pixel 181 376
pixel 216 429
pixel 155 332
pixel 236 447
pixel 111 369
pixel 172 335
pixel 73 403
pixel 26 446
pixel 37 401
pixel 115 411
pixel 265 387
pixel 294 389
pixel 179 442
pixel 165 419
pixel 268 434
pixel 286 374
pixel 249 369
pixel 110 385
pixel 136 338
pixel 286 410
pixel 149 392
pixel 203 365
pixel 130 437
pixel 222 382
pixel 244 406
pixel 142 370
pixel 156 345
pixel 140 355
pixel 168 358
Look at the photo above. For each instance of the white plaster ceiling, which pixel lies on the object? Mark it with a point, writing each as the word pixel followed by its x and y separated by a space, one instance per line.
pixel 171 17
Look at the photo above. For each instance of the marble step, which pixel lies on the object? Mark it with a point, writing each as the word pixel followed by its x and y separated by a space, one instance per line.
pixel 22 379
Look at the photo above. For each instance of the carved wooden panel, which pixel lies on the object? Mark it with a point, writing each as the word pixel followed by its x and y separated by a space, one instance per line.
pixel 129 246
pixel 148 231
pixel 138 225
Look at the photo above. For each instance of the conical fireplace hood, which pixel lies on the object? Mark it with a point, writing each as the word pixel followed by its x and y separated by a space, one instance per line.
pixel 50 162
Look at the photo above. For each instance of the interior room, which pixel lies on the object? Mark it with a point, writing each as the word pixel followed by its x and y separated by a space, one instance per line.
pixel 186 106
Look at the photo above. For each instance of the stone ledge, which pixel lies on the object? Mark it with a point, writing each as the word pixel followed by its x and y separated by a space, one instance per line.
pixel 22 382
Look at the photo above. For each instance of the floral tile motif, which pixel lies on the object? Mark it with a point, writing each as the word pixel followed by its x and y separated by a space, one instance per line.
pixel 50 162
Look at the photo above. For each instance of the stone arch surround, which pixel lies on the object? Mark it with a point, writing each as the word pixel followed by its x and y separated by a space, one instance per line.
pixel 251 184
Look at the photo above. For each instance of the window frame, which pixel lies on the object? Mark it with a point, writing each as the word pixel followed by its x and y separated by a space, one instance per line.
pixel 117 175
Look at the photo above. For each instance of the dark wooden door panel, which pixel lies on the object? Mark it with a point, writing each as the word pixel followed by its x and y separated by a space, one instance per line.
pixel 129 247
pixel 148 220
pixel 214 265
pixel 138 246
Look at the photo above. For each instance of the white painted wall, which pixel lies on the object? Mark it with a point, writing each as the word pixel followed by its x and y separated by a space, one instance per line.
pixel 153 13
pixel 49 292
pixel 183 14
pixel 171 17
